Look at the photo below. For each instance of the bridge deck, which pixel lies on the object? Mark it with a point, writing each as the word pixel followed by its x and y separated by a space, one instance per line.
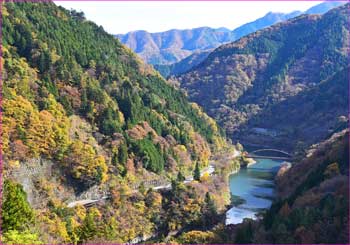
pixel 269 157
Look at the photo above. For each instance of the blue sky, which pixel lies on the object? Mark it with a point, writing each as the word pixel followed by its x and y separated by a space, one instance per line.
pixel 124 16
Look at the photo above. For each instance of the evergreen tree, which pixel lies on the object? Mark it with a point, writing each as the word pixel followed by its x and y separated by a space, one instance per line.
pixel 210 205
pixel 197 172
pixel 180 177
pixel 16 211
pixel 209 211
pixel 123 153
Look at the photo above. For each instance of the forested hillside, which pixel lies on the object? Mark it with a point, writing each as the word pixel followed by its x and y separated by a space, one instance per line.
pixel 279 80
pixel 313 204
pixel 82 114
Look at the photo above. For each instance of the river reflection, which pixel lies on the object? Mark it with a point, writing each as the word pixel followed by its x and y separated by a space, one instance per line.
pixel 252 189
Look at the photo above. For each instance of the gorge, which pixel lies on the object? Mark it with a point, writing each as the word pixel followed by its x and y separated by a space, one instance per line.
pixel 98 147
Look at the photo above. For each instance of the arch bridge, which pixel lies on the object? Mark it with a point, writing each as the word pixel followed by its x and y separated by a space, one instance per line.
pixel 286 155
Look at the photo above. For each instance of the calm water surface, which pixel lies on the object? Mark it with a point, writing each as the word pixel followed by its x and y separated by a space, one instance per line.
pixel 252 189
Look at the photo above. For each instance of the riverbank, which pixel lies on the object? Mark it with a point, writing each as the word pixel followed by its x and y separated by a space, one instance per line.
pixel 214 181
pixel 254 187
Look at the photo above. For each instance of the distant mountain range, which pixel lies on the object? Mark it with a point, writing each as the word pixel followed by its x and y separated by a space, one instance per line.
pixel 174 45
pixel 169 47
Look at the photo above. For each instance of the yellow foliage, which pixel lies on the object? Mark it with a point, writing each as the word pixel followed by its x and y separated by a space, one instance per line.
pixel 44 132
pixel 14 164
pixel 54 227
pixel 95 212
pixel 197 237
pixel 20 76
pixel 157 200
pixel 4 11
pixel 181 148
pixel 140 206
pixel 80 212
pixel 201 149
pixel 205 177
pixel 84 164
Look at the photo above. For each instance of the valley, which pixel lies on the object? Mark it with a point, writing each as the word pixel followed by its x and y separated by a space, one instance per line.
pixel 199 136
pixel 285 85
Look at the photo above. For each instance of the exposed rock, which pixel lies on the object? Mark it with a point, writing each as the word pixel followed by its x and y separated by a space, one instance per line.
pixel 41 181
pixel 285 166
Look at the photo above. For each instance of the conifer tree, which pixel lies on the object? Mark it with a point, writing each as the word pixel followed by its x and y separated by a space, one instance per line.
pixel 197 173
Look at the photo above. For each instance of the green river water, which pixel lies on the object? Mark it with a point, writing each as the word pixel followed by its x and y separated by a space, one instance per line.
pixel 252 189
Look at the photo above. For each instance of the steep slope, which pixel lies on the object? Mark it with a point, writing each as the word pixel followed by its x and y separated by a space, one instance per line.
pixel 165 49
pixel 262 73
pixel 84 119
pixel 313 204
pixel 314 198
pixel 303 119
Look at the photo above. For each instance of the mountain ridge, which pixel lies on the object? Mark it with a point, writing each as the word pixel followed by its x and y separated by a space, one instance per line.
pixel 242 79
pixel 153 53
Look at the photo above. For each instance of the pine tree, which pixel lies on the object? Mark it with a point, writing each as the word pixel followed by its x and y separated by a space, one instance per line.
pixel 210 205
pixel 209 212
pixel 16 211
pixel 197 173
pixel 180 177
pixel 123 153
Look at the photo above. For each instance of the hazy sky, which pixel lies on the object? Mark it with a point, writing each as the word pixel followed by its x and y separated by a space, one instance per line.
pixel 124 16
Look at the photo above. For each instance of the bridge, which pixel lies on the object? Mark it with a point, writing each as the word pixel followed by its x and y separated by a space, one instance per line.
pixel 287 156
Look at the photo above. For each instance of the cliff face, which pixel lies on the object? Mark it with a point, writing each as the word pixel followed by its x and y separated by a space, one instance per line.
pixel 279 79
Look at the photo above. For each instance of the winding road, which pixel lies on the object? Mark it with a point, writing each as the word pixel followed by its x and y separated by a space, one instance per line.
pixel 208 170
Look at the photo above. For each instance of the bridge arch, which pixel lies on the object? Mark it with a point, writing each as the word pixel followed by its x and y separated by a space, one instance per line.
pixel 272 150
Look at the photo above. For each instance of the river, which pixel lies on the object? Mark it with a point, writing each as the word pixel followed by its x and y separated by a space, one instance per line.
pixel 252 189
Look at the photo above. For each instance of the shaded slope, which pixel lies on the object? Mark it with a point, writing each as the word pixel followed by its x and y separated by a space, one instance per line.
pixel 246 77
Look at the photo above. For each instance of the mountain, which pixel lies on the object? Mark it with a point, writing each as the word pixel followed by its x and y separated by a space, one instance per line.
pixel 265 21
pixel 88 130
pixel 279 80
pixel 165 49
pixel 183 65
pixel 174 45
pixel 186 64
pixel 273 18
pixel 323 7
